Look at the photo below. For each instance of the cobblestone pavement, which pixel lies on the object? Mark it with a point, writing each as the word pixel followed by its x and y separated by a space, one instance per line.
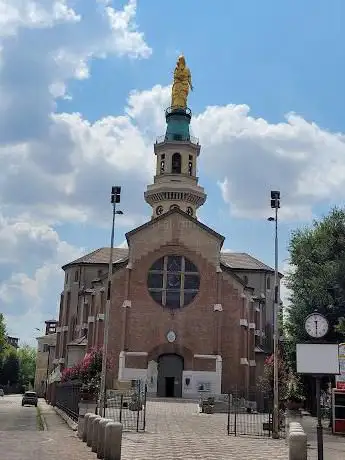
pixel 176 431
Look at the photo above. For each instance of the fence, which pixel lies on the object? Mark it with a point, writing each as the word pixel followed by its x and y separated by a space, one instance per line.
pixel 127 407
pixel 250 413
pixel 67 398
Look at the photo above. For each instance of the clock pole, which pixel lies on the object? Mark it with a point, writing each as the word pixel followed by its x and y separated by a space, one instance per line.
pixel 319 428
pixel 317 326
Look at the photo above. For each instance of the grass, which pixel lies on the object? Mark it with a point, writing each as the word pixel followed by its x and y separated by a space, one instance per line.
pixel 39 422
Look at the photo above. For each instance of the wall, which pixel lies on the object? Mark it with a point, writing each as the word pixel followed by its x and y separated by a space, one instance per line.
pixel 75 354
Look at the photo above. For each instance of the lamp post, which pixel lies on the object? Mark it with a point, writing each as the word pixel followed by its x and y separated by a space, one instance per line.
pixel 115 199
pixel 275 204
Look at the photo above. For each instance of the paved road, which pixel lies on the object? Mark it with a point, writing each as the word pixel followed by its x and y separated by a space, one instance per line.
pixel 20 439
pixel 14 417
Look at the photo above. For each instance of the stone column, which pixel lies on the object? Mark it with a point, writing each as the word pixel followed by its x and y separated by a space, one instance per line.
pixel 84 408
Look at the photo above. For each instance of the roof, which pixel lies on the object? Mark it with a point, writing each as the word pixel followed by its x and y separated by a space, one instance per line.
pixel 100 256
pixel 185 215
pixel 243 261
pixel 232 260
pixel 81 341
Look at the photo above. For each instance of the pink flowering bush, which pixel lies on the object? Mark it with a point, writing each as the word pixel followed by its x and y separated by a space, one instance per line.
pixel 88 370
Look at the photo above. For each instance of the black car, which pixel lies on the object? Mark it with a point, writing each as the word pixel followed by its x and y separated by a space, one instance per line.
pixel 30 398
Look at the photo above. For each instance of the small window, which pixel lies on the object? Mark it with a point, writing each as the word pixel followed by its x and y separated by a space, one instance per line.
pixel 76 275
pixel 176 164
pixel 99 273
pixel 66 278
pixel 162 165
pixel 45 348
pixel 190 165
pixel 245 280
pixel 268 283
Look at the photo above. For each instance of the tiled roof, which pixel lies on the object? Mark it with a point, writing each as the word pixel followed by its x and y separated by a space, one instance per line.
pixel 234 260
pixel 243 261
pixel 101 256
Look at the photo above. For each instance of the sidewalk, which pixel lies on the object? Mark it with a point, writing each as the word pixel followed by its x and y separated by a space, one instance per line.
pixel 59 442
pixel 334 446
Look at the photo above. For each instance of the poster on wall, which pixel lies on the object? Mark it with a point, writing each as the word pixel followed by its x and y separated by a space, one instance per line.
pixel 340 379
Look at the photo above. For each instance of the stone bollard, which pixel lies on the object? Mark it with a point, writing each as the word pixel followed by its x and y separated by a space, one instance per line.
pixel 85 423
pixel 85 407
pixel 95 432
pixel 297 442
pixel 101 436
pixel 113 440
pixel 89 429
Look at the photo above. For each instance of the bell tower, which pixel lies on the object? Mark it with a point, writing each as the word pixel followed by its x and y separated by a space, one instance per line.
pixel 175 182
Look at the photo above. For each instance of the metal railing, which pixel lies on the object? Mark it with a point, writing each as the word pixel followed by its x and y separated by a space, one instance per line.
pixel 127 407
pixel 68 397
pixel 177 138
pixel 250 413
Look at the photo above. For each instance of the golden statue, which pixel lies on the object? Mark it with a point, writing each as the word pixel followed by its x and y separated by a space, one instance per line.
pixel 181 85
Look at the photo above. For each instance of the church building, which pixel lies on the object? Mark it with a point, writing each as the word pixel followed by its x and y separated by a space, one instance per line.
pixel 185 317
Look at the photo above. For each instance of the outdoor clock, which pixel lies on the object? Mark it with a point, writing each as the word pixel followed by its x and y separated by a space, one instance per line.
pixel 316 325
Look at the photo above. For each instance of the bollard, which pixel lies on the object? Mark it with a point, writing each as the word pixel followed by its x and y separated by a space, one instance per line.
pixel 94 442
pixel 297 442
pixel 86 421
pixel 94 423
pixel 101 436
pixel 113 440
pixel 89 429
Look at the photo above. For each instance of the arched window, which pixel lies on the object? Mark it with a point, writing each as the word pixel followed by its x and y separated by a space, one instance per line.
pixel 176 163
pixel 268 283
pixel 173 281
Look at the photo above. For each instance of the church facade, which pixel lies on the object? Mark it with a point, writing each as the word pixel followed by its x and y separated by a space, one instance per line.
pixel 185 317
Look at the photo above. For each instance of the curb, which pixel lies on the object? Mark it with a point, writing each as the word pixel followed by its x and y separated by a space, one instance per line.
pixel 42 418
pixel 71 423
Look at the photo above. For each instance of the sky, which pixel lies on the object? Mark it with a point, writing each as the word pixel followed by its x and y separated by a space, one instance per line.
pixel 83 89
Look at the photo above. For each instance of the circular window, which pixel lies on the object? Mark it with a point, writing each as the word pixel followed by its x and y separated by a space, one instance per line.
pixel 174 206
pixel 173 281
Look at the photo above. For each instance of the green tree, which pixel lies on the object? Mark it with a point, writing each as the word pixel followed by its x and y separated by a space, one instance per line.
pixel 317 280
pixel 10 368
pixel 3 337
pixel 27 365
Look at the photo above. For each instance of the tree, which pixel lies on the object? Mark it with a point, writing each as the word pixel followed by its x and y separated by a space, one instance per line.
pixel 27 365
pixel 10 368
pixel 3 337
pixel 317 281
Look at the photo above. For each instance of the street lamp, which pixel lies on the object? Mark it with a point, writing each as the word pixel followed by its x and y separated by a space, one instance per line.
pixel 115 198
pixel 275 204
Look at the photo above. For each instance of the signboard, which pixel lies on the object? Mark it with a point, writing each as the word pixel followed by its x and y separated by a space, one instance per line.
pixel 317 358
pixel 340 379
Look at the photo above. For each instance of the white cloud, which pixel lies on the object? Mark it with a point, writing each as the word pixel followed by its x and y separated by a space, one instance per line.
pixel 249 157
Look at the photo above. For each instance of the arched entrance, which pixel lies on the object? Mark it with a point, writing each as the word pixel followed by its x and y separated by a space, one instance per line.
pixel 169 378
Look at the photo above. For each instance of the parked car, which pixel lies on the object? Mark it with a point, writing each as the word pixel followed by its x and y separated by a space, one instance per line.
pixel 2 392
pixel 30 398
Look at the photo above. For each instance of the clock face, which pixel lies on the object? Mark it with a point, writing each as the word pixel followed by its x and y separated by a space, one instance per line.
pixel 171 336
pixel 316 325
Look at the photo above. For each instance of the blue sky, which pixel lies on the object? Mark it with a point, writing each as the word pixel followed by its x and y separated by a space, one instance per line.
pixel 267 59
